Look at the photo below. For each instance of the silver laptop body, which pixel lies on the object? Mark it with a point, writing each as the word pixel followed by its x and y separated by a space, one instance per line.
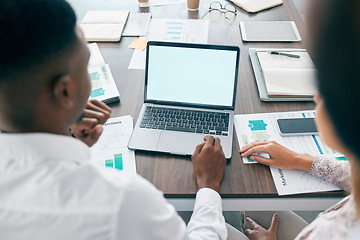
pixel 190 92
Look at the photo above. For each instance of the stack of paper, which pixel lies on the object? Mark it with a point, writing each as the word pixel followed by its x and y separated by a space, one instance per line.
pixel 253 6
pixel 137 24
pixel 103 87
pixel 288 76
pixel 104 26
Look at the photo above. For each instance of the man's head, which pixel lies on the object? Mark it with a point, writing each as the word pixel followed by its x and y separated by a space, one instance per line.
pixel 43 66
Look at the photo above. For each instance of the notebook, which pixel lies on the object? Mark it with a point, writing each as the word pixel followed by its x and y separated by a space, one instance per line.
pixel 284 78
pixel 189 92
pixel 104 26
pixel 253 6
pixel 103 87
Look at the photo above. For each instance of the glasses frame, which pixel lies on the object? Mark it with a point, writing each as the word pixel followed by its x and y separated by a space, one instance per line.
pixel 222 10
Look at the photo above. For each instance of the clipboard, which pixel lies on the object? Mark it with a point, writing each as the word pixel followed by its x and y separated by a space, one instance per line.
pixel 260 80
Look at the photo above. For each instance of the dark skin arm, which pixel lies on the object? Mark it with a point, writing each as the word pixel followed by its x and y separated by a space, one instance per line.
pixel 89 128
pixel 209 163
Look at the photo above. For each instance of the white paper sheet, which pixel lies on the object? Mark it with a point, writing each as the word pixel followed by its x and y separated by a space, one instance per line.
pixel 291 181
pixel 252 127
pixel 263 126
pixel 160 2
pixel 112 145
pixel 172 30
pixel 96 59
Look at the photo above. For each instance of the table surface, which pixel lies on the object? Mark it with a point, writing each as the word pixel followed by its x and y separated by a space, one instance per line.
pixel 174 174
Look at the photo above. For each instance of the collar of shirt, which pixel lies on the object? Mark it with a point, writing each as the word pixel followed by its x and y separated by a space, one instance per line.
pixel 19 149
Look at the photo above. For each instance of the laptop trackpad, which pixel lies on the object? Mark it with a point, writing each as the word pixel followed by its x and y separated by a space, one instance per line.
pixel 178 142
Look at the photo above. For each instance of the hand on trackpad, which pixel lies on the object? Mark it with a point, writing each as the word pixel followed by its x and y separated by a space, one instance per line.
pixel 178 142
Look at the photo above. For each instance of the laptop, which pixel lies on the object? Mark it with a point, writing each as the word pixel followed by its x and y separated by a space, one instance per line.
pixel 190 92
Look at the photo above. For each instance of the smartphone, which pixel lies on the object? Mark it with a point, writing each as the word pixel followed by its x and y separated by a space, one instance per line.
pixel 297 126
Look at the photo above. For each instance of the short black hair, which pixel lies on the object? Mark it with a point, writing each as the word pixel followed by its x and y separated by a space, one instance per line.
pixel 32 32
pixel 337 59
pixel 35 34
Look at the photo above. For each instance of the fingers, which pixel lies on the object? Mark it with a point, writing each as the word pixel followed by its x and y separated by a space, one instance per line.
pixel 198 149
pixel 101 117
pixel 85 124
pixel 253 144
pixel 93 135
pixel 98 110
pixel 274 222
pixel 209 141
pixel 249 232
pixel 257 149
pixel 252 223
pixel 262 160
pixel 217 144
pixel 101 105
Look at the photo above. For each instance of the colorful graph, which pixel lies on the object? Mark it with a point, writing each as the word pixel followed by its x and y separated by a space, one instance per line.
pixel 116 162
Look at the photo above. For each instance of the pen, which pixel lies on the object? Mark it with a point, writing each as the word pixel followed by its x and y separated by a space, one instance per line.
pixel 284 54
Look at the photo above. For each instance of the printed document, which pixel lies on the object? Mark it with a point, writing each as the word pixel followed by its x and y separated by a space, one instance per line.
pixel 252 127
pixel 111 149
pixel 172 30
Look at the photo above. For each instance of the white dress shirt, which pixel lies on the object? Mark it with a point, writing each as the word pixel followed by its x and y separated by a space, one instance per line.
pixel 49 189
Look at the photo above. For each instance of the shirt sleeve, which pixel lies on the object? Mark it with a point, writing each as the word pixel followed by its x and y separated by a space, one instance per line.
pixel 207 221
pixel 145 214
pixel 333 171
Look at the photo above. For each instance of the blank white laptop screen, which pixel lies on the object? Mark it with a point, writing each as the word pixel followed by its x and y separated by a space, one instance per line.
pixel 191 75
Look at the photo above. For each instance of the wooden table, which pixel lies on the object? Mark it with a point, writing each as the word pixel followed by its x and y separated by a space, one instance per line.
pixel 244 187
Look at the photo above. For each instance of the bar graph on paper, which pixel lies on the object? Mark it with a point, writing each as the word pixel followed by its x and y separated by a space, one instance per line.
pixel 115 162
pixel 111 149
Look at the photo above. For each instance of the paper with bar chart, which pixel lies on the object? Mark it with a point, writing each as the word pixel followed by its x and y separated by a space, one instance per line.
pixel 111 148
pixel 252 127
pixel 172 30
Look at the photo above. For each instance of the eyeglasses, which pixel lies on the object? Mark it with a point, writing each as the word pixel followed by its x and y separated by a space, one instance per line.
pixel 216 10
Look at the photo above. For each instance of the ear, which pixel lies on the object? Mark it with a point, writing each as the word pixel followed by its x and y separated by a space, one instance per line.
pixel 63 91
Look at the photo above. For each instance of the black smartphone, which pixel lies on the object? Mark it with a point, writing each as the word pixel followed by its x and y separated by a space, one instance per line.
pixel 297 126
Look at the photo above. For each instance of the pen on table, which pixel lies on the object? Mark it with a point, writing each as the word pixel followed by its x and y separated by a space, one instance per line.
pixel 284 54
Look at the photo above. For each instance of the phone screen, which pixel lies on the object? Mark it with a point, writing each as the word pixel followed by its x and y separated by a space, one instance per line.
pixel 297 126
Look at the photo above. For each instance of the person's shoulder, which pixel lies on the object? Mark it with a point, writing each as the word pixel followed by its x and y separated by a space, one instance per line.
pixel 98 185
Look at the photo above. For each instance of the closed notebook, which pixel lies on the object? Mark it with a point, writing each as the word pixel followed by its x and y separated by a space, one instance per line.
pixel 104 26
pixel 253 6
pixel 286 76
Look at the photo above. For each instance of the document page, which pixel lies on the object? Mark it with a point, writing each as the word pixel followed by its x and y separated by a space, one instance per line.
pixel 252 127
pixel 111 149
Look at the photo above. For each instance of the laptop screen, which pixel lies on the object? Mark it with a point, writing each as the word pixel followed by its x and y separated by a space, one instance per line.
pixel 191 74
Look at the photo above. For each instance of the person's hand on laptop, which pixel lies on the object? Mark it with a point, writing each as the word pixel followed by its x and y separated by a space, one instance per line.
pixel 209 163
pixel 89 128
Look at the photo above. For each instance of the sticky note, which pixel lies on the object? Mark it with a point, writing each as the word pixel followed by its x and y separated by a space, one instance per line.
pixel 138 43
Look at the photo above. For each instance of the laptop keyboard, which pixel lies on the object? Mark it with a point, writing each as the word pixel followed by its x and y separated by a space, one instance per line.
pixel 181 120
